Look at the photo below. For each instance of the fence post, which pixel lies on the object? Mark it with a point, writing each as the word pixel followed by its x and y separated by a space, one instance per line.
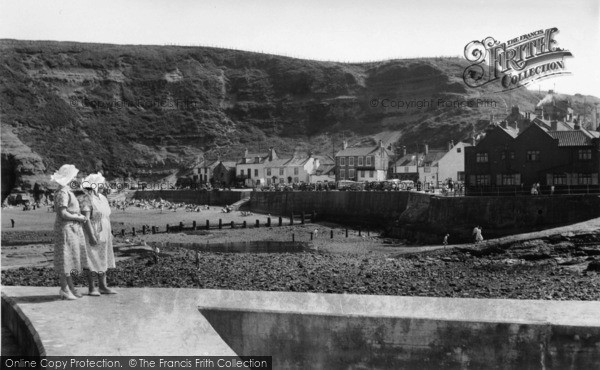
pixel 123 232
pixel 168 230
pixel 314 216
pixel 144 230
pixel 133 231
pixel 232 225
pixel 292 219
pixel 220 224
pixel 153 229
pixel 331 233
pixel 207 225
pixel 293 238
pixel 359 232
pixel 244 225
pixel 180 226
pixel 303 216
pixel 257 223
pixel 346 233
pixel 194 225
pixel 311 236
pixel 268 221
pixel 280 221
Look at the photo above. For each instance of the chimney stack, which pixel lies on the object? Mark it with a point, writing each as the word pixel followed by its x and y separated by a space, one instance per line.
pixel 246 153
pixel 426 149
pixel 450 145
pixel 380 144
pixel 344 144
pixel 554 125
pixel 404 151
pixel 272 154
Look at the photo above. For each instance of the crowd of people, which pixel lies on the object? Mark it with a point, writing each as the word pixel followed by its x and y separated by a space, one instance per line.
pixel 157 204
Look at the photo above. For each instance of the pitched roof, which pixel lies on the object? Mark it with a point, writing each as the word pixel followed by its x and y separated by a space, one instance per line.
pixel 325 169
pixel 434 156
pixel 359 151
pixel 407 160
pixel 296 161
pixel 510 130
pixel 229 164
pixel 280 162
pixel 572 138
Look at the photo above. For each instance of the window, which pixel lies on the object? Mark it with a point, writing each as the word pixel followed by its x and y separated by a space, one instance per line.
pixel 406 169
pixel 460 176
pixel 584 154
pixel 370 173
pixel 584 179
pixel 241 172
pixel 362 174
pixel 342 175
pixel 560 179
pixel 342 161
pixel 295 170
pixel 351 161
pixel 509 179
pixel 482 179
pixel 281 172
pixel 427 169
pixel 458 150
pixel 482 158
pixel 268 172
pixel 360 161
pixel 351 174
pixel 508 154
pixel 281 181
pixel 256 172
pixel 369 161
pixel 533 155
pixel 295 179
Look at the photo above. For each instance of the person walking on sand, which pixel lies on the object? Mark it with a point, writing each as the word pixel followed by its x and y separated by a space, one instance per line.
pixel 445 242
pixel 478 235
pixel 12 222
pixel 98 234
pixel 69 247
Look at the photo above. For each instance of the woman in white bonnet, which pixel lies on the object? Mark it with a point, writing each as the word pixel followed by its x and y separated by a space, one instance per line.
pixel 98 233
pixel 69 240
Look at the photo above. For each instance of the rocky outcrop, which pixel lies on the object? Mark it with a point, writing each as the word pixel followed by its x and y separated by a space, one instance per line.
pixel 22 169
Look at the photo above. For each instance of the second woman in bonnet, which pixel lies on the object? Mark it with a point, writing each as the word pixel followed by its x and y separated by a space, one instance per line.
pixel 98 235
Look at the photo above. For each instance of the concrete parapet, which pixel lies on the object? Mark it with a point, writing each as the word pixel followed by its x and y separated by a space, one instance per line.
pixel 329 331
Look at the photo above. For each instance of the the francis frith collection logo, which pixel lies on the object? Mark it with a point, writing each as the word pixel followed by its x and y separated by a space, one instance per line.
pixel 516 62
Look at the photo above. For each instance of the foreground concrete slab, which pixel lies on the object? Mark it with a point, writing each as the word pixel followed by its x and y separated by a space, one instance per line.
pixel 331 331
pixel 137 321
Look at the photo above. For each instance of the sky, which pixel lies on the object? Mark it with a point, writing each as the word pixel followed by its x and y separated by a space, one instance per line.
pixel 336 30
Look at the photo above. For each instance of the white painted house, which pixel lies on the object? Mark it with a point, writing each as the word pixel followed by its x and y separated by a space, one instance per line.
pixel 452 164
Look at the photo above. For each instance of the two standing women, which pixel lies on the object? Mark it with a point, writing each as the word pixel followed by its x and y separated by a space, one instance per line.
pixel 76 250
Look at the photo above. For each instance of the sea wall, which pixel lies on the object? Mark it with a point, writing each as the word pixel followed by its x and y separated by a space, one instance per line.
pixel 340 206
pixel 213 198
pixel 426 218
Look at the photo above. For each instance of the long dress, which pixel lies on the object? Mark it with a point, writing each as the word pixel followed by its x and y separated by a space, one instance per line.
pixel 69 241
pixel 100 256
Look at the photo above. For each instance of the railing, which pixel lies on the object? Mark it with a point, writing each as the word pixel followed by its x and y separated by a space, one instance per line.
pixel 542 190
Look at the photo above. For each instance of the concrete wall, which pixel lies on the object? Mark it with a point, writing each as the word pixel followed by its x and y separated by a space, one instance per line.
pixel 331 331
pixel 213 198
pixel 342 206
pixel 501 216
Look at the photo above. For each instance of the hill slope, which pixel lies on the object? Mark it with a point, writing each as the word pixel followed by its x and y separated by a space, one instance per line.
pixel 146 111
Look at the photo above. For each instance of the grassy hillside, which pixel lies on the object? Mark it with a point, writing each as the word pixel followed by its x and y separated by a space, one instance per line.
pixel 146 111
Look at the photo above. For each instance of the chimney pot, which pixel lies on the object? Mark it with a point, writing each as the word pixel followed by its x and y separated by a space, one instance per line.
pixel 426 149
pixel 344 144
pixel 403 151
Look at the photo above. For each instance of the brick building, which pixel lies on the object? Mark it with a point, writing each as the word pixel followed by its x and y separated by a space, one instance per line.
pixel 549 153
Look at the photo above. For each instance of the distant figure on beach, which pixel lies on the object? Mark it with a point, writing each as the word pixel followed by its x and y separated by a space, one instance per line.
pixel 315 233
pixel 156 253
pixel 12 222
pixel 445 242
pixel 477 234
pixel 197 259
